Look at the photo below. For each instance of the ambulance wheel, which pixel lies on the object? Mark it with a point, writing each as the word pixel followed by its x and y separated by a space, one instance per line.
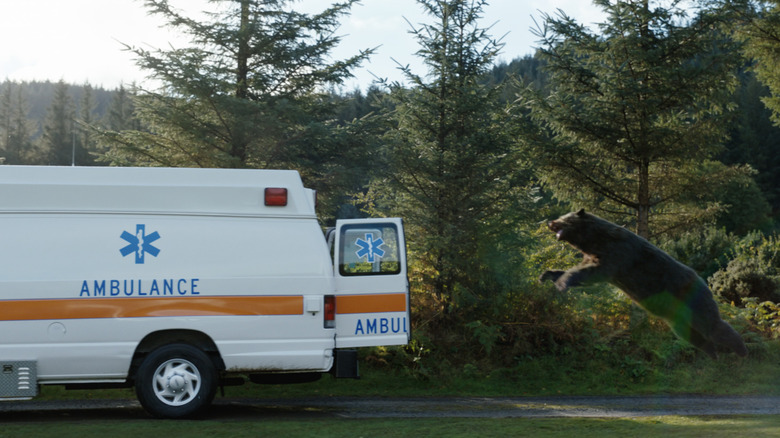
pixel 176 381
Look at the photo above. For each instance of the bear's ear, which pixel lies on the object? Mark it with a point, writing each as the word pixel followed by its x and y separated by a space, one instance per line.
pixel 581 212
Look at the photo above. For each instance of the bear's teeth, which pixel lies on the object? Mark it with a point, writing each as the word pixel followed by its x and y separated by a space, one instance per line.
pixel 559 234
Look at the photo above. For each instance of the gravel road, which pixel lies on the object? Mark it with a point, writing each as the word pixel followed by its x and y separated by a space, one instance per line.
pixel 438 407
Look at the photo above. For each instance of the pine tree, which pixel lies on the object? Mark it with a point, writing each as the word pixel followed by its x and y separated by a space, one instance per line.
pixel 636 113
pixel 19 146
pixel 759 30
pixel 248 92
pixel 121 112
pixel 58 141
pixel 453 170
pixel 84 145
pixel 5 118
pixel 754 139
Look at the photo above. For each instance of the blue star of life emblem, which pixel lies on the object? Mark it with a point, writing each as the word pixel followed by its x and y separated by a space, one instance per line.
pixel 140 243
pixel 369 248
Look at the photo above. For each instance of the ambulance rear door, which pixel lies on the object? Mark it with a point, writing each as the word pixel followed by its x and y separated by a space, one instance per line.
pixel 372 289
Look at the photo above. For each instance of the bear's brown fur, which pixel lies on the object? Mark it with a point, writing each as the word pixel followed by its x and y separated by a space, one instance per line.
pixel 652 278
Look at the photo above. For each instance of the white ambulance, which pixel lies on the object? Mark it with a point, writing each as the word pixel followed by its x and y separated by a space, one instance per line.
pixel 176 281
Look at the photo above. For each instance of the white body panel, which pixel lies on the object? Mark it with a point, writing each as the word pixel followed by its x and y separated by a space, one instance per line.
pixel 94 260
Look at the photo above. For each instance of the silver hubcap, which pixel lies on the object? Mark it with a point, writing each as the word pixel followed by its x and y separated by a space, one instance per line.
pixel 176 382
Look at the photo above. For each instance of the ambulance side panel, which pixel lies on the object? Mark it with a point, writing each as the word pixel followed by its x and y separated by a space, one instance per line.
pixel 79 291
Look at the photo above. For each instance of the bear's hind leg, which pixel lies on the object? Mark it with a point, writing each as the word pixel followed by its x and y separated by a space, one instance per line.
pixel 725 335
pixel 685 331
pixel 702 343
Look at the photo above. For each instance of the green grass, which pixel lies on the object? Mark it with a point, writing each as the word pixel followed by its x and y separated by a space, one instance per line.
pixel 531 377
pixel 711 427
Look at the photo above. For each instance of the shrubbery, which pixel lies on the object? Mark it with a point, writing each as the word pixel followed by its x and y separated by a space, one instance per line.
pixel 518 319
pixel 753 271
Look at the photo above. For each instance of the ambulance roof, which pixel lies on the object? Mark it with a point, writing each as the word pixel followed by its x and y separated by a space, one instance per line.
pixel 151 190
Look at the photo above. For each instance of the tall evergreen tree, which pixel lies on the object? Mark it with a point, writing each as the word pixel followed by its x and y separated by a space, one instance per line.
pixel 754 139
pixel 19 145
pixel 58 141
pixel 6 106
pixel 248 91
pixel 759 30
pixel 636 112
pixel 121 112
pixel 84 146
pixel 453 165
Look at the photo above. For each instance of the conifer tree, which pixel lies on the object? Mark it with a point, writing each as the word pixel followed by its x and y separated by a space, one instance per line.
pixel 248 91
pixel 454 171
pixel 19 145
pixel 5 118
pixel 121 111
pixel 84 146
pixel 759 30
pixel 58 139
pixel 636 113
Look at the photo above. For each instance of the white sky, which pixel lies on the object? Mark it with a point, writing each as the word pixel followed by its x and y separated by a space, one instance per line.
pixel 81 40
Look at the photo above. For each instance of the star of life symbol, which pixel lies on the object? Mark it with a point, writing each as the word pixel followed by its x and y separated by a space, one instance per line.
pixel 140 243
pixel 369 248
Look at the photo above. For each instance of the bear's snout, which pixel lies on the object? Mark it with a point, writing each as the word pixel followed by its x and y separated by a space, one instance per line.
pixel 556 228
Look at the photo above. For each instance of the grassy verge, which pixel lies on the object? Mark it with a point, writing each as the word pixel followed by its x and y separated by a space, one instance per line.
pixel 711 427
pixel 530 377
pixel 542 376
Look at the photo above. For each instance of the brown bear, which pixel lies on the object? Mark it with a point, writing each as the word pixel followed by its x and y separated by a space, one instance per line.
pixel 652 278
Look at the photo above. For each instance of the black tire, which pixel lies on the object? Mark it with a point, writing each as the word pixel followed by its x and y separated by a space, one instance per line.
pixel 176 381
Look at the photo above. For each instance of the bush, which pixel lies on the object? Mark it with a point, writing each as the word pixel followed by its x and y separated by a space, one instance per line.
pixel 765 315
pixel 705 250
pixel 511 320
pixel 753 271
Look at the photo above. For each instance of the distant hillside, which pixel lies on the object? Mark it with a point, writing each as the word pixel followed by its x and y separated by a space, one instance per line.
pixel 39 96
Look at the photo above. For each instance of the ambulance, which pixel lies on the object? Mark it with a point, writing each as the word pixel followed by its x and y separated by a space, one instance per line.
pixel 176 281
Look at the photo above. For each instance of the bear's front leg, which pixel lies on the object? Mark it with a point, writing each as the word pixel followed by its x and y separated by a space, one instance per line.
pixel 560 278
pixel 550 275
pixel 577 276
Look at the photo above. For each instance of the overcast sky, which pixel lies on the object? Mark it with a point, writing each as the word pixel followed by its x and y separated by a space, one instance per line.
pixel 82 40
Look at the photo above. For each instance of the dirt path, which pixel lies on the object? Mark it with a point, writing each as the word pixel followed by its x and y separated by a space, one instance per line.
pixel 494 407
pixel 439 407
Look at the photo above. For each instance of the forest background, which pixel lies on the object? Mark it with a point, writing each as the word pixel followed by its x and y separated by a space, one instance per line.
pixel 665 120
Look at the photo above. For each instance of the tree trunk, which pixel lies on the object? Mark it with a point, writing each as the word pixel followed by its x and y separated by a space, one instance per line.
pixel 239 143
pixel 643 206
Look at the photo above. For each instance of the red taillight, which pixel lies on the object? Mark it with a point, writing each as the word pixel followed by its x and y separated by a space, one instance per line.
pixel 330 311
pixel 275 196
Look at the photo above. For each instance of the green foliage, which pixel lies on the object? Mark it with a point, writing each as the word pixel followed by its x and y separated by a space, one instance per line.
pixel 745 208
pixel 633 113
pixel 247 92
pixel 58 128
pixel 759 30
pixel 454 171
pixel 121 112
pixel 753 271
pixel 15 129
pixel 765 315
pixel 705 249
pixel 487 335
pixel 643 103
pixel 753 139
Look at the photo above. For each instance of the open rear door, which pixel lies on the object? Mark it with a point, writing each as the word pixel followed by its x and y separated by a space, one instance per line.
pixel 372 289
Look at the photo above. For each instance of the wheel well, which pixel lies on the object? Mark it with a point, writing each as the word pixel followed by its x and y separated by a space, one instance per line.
pixel 156 340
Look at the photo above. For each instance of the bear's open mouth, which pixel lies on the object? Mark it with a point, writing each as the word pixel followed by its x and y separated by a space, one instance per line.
pixel 555 228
